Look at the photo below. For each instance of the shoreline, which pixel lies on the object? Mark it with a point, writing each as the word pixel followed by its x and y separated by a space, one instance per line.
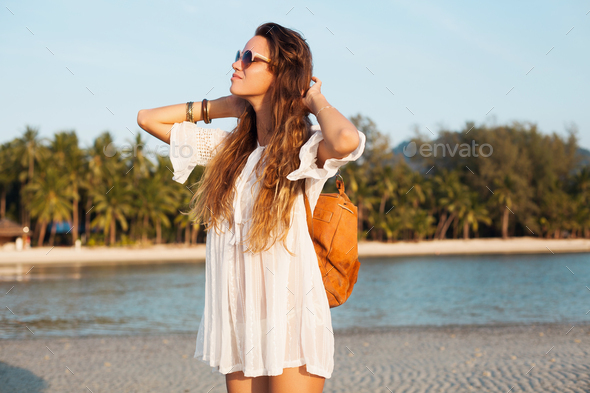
pixel 528 358
pixel 17 261
pixel 346 332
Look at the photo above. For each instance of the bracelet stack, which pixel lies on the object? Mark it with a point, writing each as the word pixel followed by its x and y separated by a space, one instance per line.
pixel 204 111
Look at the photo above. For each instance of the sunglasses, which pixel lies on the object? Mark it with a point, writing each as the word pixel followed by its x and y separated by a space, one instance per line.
pixel 248 57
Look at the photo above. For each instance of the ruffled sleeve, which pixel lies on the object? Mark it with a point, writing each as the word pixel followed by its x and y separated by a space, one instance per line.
pixel 190 146
pixel 308 156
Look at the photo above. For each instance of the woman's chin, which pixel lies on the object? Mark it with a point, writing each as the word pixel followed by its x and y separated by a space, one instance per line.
pixel 234 91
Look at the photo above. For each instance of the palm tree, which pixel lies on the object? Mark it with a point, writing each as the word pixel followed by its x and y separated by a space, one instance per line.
pixel 71 160
pixel 183 196
pixel 140 167
pixel 422 224
pixel 383 191
pixel 184 223
pixel 158 199
pixel 453 197
pixel 362 176
pixel 358 188
pixel 113 203
pixel 504 193
pixel 581 190
pixel 580 216
pixel 7 175
pixel 394 221
pixel 101 162
pixel 28 149
pixel 50 199
pixel 416 190
pixel 558 210
pixel 473 214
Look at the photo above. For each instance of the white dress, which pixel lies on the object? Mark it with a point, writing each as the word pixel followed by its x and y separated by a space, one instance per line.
pixel 266 311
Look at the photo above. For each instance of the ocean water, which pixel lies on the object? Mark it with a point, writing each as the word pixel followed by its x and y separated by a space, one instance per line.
pixel 398 291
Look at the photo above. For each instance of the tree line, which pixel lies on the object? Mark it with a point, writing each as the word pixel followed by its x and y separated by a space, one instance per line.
pixel 506 180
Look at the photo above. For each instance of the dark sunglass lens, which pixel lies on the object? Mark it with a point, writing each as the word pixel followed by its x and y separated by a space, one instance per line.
pixel 247 58
pixel 237 56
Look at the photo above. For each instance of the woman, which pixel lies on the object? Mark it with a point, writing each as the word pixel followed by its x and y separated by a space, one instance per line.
pixel 266 323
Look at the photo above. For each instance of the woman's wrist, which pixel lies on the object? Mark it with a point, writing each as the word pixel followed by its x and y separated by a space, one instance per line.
pixel 219 108
pixel 318 101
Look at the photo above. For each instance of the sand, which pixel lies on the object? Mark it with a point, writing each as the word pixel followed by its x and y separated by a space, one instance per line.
pixel 517 358
pixel 533 358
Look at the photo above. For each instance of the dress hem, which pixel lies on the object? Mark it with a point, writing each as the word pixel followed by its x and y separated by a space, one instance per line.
pixel 264 372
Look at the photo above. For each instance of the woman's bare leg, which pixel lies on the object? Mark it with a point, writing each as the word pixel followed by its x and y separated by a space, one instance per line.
pixel 296 380
pixel 236 382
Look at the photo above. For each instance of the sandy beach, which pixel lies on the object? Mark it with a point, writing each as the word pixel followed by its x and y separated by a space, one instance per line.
pixel 518 358
pixel 501 358
pixel 18 262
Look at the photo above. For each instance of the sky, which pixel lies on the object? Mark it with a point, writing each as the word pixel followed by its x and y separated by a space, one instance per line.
pixel 407 65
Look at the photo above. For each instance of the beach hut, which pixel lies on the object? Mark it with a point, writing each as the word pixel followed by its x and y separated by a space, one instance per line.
pixel 10 231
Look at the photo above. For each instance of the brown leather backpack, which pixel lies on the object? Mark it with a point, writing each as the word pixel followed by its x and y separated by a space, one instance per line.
pixel 333 230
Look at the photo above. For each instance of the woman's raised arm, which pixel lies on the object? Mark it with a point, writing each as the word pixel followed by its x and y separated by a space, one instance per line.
pixel 159 121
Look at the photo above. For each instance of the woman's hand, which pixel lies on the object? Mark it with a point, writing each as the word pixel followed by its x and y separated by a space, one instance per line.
pixel 313 91
pixel 236 104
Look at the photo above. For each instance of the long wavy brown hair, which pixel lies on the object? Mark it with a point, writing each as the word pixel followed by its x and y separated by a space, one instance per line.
pixel 291 63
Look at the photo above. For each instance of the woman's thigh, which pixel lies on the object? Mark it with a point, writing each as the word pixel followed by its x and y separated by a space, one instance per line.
pixel 296 379
pixel 236 382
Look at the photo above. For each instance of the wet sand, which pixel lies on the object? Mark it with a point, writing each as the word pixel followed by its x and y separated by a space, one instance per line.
pixel 517 358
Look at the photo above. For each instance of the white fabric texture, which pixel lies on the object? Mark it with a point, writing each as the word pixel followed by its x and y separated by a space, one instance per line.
pixel 268 311
pixel 190 146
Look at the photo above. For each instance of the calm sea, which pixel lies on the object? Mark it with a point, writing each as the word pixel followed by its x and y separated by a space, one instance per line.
pixel 401 291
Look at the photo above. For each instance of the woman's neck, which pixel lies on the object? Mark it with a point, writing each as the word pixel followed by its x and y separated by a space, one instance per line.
pixel 262 109
pixel 263 130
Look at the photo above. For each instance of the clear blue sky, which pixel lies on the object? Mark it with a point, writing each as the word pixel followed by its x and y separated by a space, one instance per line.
pixel 402 63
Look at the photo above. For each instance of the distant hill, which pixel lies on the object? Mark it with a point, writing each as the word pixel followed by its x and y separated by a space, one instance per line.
pixel 585 154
